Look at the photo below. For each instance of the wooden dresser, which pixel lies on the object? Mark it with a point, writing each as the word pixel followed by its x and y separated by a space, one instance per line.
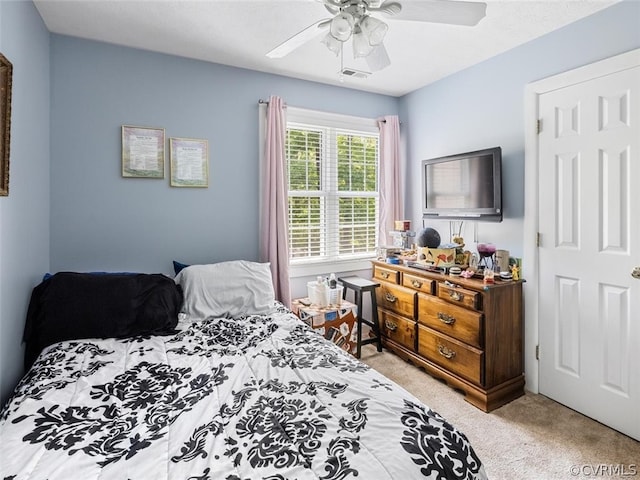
pixel 468 334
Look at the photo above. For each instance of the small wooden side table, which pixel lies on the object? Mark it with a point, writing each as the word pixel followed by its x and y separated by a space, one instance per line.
pixel 336 323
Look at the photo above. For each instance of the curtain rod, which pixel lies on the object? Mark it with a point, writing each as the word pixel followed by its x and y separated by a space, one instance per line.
pixel 266 102
pixel 261 101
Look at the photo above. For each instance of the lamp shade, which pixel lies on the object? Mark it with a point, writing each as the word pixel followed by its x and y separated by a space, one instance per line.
pixel 374 30
pixel 342 26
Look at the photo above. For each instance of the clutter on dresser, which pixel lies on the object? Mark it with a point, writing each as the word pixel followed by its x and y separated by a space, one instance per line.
pixel 455 271
pixel 502 260
pixel 402 234
pixel 402 225
pixel 506 275
pixel 444 256
pixel 515 271
pixel 428 237
pixel 488 276
pixel 427 253
pixel 402 239
pixel 430 253
pixel 487 253
pixel 455 232
pixel 403 248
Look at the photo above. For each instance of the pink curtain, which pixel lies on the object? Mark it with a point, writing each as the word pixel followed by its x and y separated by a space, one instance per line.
pixel 391 203
pixel 274 243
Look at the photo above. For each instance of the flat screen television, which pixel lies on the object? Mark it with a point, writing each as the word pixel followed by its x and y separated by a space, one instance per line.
pixel 466 186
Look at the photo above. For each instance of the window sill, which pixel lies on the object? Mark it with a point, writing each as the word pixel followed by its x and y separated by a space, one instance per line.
pixel 315 269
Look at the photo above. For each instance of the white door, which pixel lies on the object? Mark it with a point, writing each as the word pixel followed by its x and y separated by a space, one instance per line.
pixel 589 224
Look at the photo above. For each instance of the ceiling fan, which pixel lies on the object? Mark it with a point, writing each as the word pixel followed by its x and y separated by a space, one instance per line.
pixel 355 20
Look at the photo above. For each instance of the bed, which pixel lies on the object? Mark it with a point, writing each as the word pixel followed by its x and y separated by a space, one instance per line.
pixel 221 391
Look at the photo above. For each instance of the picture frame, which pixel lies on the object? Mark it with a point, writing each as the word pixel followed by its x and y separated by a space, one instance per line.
pixel 189 162
pixel 6 79
pixel 143 152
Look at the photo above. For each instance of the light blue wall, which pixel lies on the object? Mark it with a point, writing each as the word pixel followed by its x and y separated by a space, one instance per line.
pixel 100 220
pixel 483 106
pixel 24 214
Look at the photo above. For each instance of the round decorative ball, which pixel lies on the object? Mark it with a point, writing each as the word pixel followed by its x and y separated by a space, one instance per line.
pixel 428 237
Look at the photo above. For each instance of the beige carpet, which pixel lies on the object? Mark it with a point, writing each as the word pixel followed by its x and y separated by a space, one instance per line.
pixel 532 437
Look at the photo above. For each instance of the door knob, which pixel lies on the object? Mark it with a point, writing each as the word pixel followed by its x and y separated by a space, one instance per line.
pixel 636 272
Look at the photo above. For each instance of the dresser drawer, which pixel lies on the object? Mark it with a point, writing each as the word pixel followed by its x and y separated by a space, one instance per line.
pixel 386 274
pixel 457 322
pixel 398 329
pixel 460 296
pixel 418 283
pixel 450 354
pixel 398 299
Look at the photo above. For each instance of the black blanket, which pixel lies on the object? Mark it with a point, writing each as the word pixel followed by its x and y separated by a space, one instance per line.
pixel 68 306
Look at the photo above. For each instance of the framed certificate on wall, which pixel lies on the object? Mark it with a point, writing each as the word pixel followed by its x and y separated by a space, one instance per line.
pixel 189 162
pixel 142 152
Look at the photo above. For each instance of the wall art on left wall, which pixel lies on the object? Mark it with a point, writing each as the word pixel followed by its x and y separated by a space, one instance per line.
pixel 6 74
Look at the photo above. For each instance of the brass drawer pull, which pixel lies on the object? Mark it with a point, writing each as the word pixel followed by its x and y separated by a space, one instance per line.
pixel 390 298
pixel 384 275
pixel 446 352
pixel 391 326
pixel 444 318
pixel 416 283
pixel 457 296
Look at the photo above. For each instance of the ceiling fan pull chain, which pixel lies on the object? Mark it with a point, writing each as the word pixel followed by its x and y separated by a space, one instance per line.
pixel 342 62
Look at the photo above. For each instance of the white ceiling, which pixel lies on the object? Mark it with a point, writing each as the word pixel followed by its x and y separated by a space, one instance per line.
pixel 241 32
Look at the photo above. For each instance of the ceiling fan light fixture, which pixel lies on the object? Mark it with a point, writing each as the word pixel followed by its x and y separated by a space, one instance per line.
pixel 373 29
pixel 361 45
pixel 378 59
pixel 342 26
pixel 332 43
pixel 352 19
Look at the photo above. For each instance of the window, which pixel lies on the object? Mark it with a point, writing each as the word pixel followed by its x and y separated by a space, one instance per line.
pixel 333 187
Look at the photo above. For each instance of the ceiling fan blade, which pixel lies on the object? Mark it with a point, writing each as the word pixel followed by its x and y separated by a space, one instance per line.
pixel 437 11
pixel 299 39
pixel 378 58
pixel 332 6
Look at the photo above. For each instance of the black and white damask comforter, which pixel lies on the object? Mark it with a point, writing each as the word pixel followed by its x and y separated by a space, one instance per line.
pixel 259 397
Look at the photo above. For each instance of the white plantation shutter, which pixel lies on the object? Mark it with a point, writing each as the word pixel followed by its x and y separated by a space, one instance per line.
pixel 333 187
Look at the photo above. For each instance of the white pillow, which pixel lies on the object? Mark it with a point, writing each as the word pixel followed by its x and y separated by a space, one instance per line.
pixel 227 289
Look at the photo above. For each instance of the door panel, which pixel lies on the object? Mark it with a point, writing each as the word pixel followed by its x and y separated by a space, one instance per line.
pixel 589 210
pixel 567 326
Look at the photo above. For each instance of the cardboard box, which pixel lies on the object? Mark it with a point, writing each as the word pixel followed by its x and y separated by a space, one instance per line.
pixel 402 225
pixel 438 257
pixel 335 323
